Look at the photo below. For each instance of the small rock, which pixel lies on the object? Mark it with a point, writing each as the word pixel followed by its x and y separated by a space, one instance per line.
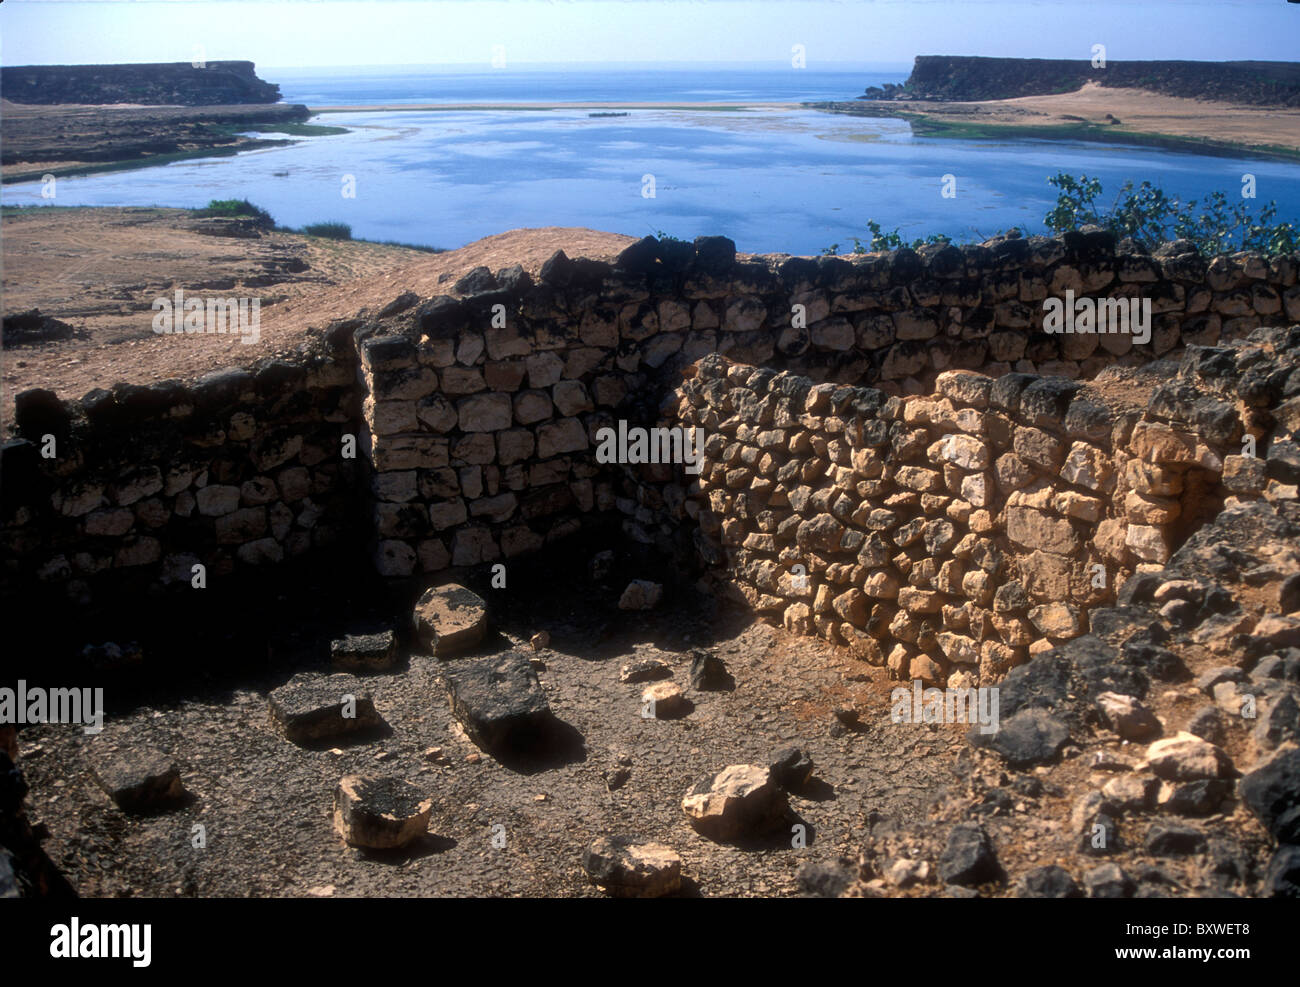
pixel 140 780
pixel 540 640
pixel 666 701
pixel 311 707
pixel 1130 793
pixel 644 670
pixel 1193 798
pixel 1031 736
pixel 616 777
pixel 903 873
pixel 1127 716
pixel 1109 881
pixel 380 813
pixel 1048 882
pixel 708 672
pixel 1186 757
pixel 627 868
pixel 968 858
pixel 1207 724
pixel 641 594
pixel 364 652
pixel 791 768
pixel 450 619
pixel 740 800
pixel 1170 839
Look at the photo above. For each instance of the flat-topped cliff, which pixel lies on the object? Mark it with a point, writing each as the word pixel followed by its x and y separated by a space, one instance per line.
pixel 958 77
pixel 152 84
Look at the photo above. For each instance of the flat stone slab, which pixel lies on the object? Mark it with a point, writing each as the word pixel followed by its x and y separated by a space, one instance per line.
pixel 499 702
pixel 623 867
pixel 645 670
pixel 740 800
pixel 364 652
pixel 380 813
pixel 311 707
pixel 450 619
pixel 139 780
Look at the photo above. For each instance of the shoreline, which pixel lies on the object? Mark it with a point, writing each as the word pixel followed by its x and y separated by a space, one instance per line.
pixel 550 106
pixel 1026 118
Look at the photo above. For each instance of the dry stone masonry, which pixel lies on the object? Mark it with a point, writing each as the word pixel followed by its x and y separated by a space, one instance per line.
pixel 916 470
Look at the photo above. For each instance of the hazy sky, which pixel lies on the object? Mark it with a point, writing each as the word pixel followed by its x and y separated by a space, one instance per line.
pixel 295 33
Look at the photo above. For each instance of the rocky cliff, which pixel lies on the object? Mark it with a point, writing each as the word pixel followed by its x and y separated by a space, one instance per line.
pixel 153 84
pixel 951 77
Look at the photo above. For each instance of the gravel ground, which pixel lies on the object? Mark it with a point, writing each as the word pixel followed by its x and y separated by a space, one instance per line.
pixel 266 804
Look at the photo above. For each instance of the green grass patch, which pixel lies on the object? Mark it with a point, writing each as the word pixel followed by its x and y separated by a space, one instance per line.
pixel 330 231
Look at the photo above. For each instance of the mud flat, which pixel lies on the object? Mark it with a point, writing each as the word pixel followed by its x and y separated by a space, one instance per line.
pixel 1094 113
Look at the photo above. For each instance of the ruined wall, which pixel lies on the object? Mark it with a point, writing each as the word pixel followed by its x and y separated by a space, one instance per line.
pixel 953 535
pixel 476 415
pixel 483 405
pixel 240 470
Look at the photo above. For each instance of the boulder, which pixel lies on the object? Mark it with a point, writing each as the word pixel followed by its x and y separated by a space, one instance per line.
pixel 641 594
pixel 1186 757
pixel 627 868
pixel 450 619
pixel 140 780
pixel 968 858
pixel 380 813
pixel 740 800
pixel 312 707
pixel 499 702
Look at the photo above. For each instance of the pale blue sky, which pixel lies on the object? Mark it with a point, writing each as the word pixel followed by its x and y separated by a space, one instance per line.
pixel 408 32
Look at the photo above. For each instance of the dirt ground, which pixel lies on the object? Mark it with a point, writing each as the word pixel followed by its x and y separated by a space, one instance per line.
pixel 99 270
pixel 265 804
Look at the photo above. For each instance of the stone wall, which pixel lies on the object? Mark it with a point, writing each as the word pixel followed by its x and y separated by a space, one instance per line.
pixel 953 535
pixel 476 415
pixel 239 471
pixel 483 405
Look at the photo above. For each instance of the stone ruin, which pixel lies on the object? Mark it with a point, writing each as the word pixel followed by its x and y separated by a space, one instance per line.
pixel 896 458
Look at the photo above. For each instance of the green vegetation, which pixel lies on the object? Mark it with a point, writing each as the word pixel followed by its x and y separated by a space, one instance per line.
pixel 237 208
pixel 1144 213
pixel 331 231
pixel 886 241
pixel 1149 215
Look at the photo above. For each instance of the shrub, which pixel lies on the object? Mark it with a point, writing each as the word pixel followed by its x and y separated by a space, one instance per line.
pixel 241 208
pixel 1149 215
pixel 333 231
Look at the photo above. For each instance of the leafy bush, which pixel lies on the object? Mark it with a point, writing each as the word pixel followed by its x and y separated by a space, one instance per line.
pixel 333 231
pixel 241 208
pixel 1145 213
pixel 1149 215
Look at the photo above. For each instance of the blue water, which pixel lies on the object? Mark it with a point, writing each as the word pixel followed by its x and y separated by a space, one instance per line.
pixel 582 84
pixel 774 180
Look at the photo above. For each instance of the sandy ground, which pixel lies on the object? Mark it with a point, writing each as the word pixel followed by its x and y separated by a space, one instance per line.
pixel 99 270
pixel 1138 112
